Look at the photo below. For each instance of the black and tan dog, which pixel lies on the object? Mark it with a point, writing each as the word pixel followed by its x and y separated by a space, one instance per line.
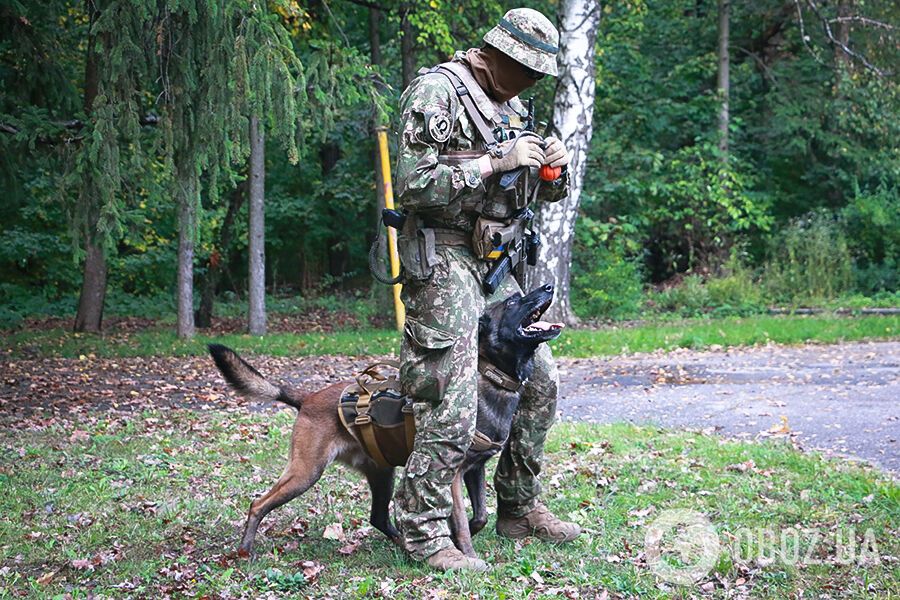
pixel 509 333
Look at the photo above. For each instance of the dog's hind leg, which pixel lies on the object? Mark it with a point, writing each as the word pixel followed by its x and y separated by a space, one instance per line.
pixel 475 485
pixel 381 483
pixel 459 523
pixel 296 479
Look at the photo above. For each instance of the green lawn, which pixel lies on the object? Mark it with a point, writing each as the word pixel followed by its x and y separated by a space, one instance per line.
pixel 645 337
pixel 151 505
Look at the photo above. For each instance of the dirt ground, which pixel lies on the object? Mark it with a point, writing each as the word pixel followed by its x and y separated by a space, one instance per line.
pixel 843 399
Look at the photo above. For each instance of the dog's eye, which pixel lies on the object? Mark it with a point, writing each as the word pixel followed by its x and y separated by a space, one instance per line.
pixel 511 302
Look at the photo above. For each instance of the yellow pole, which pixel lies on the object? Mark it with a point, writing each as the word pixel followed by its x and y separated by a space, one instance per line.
pixel 399 309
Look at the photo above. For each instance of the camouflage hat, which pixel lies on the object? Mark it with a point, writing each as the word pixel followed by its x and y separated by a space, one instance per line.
pixel 527 36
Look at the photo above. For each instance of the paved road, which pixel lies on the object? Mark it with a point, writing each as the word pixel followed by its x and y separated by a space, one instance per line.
pixel 843 399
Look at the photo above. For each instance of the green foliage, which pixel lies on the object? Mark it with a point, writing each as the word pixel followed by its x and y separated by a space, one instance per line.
pixel 872 223
pixel 606 283
pixel 810 260
pixel 807 134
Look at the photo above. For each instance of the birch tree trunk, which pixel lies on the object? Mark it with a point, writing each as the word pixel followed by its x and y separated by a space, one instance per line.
pixel 724 82
pixel 257 228
pixel 187 219
pixel 573 112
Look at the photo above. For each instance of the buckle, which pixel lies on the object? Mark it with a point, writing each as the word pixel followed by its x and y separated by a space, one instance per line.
pixel 362 419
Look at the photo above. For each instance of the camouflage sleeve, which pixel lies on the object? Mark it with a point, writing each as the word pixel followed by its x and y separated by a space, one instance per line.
pixel 424 184
pixel 554 191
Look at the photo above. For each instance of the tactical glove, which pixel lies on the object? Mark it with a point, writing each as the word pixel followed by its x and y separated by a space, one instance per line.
pixel 522 151
pixel 556 153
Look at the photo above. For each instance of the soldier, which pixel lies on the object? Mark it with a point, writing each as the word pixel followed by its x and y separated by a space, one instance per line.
pixel 462 128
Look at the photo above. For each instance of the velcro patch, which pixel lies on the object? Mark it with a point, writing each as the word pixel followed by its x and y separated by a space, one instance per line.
pixel 438 125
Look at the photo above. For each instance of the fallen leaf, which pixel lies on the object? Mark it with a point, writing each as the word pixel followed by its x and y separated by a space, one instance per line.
pixel 335 531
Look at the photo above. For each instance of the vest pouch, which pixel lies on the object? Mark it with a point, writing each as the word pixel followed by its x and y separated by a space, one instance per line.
pixel 390 415
pixel 417 252
pixel 490 238
pixel 499 204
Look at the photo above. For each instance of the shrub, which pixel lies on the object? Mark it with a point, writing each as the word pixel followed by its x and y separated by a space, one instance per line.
pixel 611 289
pixel 809 261
pixel 689 298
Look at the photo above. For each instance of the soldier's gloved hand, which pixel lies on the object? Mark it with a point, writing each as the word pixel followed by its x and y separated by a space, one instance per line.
pixel 555 153
pixel 522 151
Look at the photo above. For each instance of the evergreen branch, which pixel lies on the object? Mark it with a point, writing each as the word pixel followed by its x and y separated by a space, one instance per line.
pixel 76 125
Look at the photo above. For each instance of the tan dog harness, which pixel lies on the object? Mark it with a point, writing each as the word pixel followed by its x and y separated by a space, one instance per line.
pixel 375 412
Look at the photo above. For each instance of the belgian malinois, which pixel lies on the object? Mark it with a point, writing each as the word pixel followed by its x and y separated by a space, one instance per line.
pixel 509 333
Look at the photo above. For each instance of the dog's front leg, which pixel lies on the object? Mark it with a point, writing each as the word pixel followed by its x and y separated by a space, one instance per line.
pixel 459 522
pixel 381 483
pixel 475 485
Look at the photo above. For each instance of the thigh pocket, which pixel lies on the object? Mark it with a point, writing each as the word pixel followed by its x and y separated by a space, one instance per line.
pixel 425 372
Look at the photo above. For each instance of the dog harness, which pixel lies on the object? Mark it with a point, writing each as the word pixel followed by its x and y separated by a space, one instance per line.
pixel 375 412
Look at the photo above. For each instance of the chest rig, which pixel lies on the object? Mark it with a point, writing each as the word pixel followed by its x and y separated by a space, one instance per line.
pixel 502 231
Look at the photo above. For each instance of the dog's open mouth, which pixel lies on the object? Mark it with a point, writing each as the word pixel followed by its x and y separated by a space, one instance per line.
pixel 532 325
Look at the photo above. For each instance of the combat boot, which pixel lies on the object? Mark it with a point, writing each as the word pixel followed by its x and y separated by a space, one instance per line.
pixel 449 558
pixel 540 523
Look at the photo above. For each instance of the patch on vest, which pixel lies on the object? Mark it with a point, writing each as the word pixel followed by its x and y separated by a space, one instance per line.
pixel 439 126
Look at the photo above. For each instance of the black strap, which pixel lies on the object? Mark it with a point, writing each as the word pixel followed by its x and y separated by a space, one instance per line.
pixel 527 38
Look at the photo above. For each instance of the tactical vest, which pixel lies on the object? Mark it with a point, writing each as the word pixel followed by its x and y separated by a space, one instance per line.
pixel 499 199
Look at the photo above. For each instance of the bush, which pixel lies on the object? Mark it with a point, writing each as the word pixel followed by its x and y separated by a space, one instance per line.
pixel 612 289
pixel 810 261
pixel 734 293
pixel 689 298
pixel 606 277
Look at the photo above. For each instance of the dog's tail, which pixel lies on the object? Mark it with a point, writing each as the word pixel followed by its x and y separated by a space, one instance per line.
pixel 247 381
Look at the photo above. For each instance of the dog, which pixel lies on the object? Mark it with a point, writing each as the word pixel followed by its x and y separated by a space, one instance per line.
pixel 509 333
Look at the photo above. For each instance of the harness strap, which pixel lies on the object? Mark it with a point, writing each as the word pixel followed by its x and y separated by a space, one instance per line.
pixel 481 442
pixel 458 76
pixel 498 377
pixel 409 425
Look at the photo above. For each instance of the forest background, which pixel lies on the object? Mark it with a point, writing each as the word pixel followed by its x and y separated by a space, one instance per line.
pixel 130 131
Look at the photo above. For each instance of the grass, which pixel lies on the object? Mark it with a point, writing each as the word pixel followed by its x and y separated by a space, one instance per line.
pixel 150 505
pixel 644 337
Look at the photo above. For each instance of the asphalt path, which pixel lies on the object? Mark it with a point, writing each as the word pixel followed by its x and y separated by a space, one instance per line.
pixel 842 399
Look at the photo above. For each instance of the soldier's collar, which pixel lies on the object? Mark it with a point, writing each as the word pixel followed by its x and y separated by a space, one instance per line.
pixel 498 377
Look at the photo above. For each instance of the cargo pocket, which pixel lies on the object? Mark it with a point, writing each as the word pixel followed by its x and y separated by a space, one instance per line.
pixel 426 371
pixel 417 465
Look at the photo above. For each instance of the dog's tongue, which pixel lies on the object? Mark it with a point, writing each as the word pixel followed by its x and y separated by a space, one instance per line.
pixel 545 326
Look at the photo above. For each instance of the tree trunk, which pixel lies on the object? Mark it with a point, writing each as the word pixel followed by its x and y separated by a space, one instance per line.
pixel 573 111
pixel 187 217
pixel 842 63
pixel 93 289
pixel 724 83
pixel 375 35
pixel 407 45
pixel 218 260
pixel 93 283
pixel 257 248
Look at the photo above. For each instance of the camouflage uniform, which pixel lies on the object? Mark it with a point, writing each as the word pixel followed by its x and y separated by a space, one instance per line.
pixel 439 351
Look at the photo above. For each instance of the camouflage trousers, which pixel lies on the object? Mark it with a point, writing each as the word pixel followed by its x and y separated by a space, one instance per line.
pixel 439 357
